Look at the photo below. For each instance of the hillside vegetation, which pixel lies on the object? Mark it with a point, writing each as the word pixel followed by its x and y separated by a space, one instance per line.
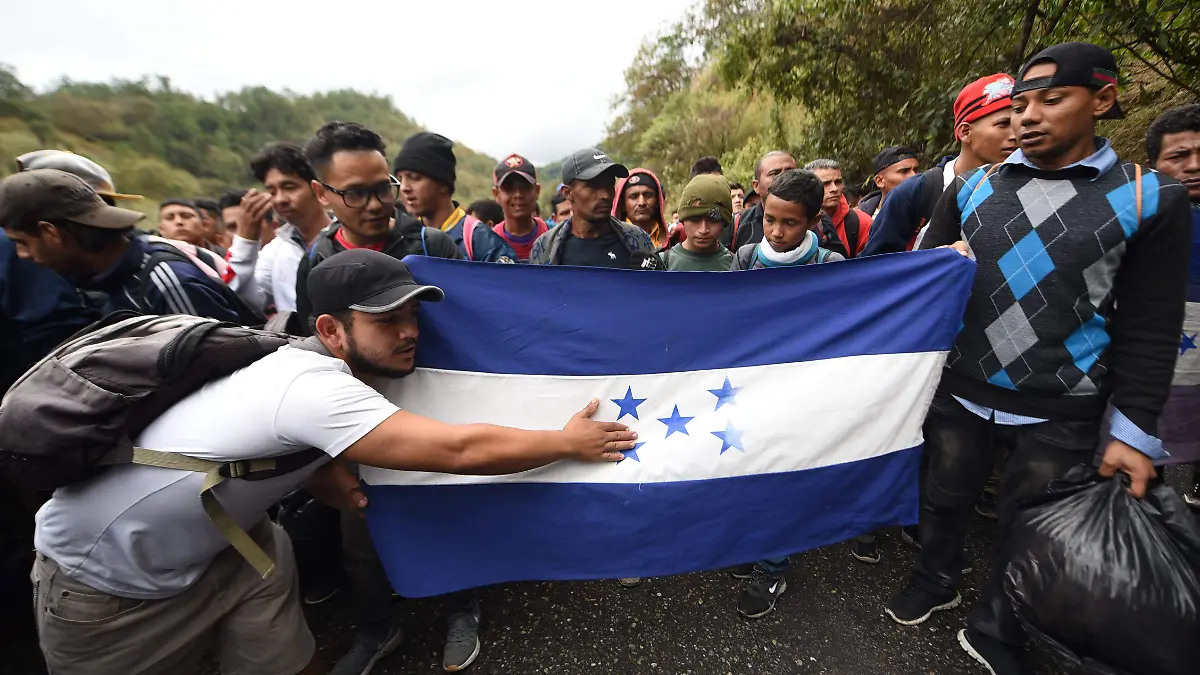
pixel 160 142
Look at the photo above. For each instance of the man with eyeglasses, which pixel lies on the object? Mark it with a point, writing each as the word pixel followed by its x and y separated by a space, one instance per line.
pixel 353 181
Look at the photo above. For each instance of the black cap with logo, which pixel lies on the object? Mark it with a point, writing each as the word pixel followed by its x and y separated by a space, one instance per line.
pixel 514 165
pixel 1080 64
pixel 364 281
pixel 588 163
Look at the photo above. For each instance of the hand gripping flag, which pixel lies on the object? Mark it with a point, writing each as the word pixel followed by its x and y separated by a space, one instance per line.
pixel 778 410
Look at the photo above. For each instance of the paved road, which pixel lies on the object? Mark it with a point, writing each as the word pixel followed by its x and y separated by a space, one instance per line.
pixel 830 621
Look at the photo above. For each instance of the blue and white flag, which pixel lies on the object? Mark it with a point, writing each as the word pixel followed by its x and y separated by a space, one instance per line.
pixel 778 410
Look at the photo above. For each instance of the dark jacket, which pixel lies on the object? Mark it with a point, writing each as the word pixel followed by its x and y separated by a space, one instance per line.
pixel 38 310
pixel 174 286
pixel 486 245
pixel 749 230
pixel 408 237
pixel 547 250
pixel 907 209
pixel 870 204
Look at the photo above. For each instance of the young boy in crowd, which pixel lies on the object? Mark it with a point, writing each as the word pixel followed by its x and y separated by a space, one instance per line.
pixel 791 211
pixel 705 210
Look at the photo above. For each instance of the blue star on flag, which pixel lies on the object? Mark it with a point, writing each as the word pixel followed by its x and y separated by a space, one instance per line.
pixel 725 394
pixel 632 454
pixel 730 438
pixel 629 404
pixel 1187 342
pixel 676 422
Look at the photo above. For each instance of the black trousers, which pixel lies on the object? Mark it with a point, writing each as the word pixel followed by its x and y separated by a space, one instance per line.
pixel 961 448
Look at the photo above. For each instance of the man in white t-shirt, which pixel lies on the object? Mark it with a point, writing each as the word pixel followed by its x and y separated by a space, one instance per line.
pixel 131 575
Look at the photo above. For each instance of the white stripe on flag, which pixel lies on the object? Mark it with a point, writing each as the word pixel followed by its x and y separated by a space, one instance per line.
pixel 785 417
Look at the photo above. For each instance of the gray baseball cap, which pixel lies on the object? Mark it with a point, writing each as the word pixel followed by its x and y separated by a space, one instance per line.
pixel 588 163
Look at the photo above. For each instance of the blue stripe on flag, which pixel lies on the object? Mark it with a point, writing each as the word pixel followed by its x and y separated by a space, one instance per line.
pixel 439 539
pixel 519 319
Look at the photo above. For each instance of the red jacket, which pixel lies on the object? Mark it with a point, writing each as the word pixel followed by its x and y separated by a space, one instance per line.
pixel 864 226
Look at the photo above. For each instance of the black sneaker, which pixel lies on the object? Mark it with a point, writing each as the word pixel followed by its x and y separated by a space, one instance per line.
pixel 865 549
pixel 742 571
pixel 914 604
pixel 367 651
pixel 990 653
pixel 911 536
pixel 321 590
pixel 759 597
pixel 986 505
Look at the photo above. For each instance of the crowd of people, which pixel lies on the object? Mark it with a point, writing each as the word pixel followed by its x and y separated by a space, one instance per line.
pixel 1081 326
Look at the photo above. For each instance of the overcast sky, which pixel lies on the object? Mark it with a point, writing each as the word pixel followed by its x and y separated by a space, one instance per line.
pixel 536 77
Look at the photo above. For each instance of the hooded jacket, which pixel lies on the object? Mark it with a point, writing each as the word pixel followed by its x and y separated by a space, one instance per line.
pixel 839 226
pixel 547 250
pixel 661 237
pixel 407 237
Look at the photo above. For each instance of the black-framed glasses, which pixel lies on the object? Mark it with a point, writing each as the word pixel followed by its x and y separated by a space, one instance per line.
pixel 357 198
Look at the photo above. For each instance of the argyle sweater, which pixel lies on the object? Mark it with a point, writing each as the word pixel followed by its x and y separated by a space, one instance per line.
pixel 1075 302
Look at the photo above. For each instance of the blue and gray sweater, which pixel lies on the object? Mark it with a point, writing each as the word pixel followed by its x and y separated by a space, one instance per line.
pixel 1075 300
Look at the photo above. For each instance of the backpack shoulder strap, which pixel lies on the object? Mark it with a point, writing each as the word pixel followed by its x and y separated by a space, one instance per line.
pixel 851 224
pixel 217 473
pixel 469 225
pixel 931 190
pixel 1137 189
pixel 158 256
pixel 424 244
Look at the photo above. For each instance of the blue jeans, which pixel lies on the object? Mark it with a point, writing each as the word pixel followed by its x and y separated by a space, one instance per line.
pixel 776 566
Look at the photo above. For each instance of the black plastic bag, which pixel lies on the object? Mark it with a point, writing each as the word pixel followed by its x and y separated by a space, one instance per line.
pixel 1108 581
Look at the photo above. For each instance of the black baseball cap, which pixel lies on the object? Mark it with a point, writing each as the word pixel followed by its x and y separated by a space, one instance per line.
pixel 28 197
pixel 1080 64
pixel 364 281
pixel 588 163
pixel 892 155
pixel 514 165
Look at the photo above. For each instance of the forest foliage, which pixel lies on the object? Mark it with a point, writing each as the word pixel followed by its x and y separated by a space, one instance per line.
pixel 161 142
pixel 731 78
pixel 844 78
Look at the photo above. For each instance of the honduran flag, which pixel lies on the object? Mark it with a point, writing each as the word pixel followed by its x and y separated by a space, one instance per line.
pixel 778 410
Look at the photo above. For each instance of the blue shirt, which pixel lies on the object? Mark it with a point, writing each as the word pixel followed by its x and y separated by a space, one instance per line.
pixel 1122 429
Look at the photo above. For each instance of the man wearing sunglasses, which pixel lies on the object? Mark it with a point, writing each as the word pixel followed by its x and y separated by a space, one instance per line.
pixel 353 181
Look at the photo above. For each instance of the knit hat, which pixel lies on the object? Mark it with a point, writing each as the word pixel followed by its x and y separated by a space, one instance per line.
pixel 428 154
pixel 707 195
pixel 982 98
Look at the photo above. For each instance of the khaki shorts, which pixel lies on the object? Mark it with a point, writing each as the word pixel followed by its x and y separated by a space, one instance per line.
pixel 255 626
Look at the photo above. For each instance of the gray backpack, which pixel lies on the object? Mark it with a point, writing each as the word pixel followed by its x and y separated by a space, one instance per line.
pixel 74 413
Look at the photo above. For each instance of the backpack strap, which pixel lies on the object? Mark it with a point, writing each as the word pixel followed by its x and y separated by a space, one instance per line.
pixel 216 473
pixel 851 224
pixel 424 245
pixel 931 191
pixel 469 225
pixel 159 256
pixel 1137 189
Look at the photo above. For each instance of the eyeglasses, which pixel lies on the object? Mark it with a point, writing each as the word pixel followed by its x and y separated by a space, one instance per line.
pixel 357 198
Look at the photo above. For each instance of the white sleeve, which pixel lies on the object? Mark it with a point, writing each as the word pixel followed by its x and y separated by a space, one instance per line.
pixel 329 409
pixel 244 259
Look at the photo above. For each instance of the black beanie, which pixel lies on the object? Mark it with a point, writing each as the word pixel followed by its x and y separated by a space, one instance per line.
pixel 429 154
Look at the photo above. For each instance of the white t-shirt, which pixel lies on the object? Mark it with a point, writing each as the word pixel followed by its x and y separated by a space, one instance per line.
pixel 140 532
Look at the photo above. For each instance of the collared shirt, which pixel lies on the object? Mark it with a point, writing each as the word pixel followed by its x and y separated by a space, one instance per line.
pixel 1101 161
pixel 1122 429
